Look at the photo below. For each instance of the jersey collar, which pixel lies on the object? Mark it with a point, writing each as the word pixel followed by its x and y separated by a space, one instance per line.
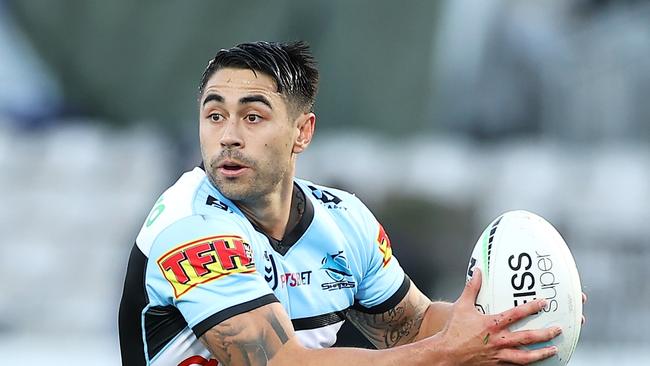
pixel 300 217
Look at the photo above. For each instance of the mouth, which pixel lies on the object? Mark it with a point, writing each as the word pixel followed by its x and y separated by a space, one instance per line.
pixel 231 168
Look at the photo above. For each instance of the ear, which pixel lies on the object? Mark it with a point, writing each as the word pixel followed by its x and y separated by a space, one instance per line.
pixel 305 126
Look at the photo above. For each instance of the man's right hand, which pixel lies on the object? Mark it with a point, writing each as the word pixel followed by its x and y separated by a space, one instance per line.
pixel 472 338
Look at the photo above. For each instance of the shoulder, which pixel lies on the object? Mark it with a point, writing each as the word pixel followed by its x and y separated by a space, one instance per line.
pixel 331 197
pixel 204 265
pixel 345 208
pixel 178 208
pixel 190 231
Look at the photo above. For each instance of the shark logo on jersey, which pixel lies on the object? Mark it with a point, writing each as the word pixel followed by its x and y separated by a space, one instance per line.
pixel 337 268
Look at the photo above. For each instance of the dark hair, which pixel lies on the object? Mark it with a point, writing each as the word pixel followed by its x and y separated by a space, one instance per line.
pixel 291 65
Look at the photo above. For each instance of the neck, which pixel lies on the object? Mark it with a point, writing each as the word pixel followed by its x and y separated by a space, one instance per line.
pixel 271 211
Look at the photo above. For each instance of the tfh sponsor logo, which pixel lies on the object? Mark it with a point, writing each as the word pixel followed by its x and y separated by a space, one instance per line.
pixel 205 260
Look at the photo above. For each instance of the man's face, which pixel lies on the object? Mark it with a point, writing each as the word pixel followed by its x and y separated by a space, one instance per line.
pixel 247 137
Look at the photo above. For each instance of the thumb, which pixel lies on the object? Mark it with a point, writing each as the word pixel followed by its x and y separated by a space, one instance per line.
pixel 472 287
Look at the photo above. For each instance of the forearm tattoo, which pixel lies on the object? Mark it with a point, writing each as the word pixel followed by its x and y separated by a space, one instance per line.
pixel 397 326
pixel 251 340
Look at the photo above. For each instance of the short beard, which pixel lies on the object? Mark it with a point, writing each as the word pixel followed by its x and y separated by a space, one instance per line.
pixel 259 184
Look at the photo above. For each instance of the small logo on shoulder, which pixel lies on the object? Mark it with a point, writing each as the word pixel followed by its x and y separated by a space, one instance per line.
pixel 337 268
pixel 384 246
pixel 327 198
pixel 214 202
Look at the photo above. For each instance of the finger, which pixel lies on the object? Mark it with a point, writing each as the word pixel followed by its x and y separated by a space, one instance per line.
pixel 517 313
pixel 524 357
pixel 472 288
pixel 583 320
pixel 527 337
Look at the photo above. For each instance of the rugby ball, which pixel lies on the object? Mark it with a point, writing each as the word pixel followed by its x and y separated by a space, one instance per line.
pixel 522 258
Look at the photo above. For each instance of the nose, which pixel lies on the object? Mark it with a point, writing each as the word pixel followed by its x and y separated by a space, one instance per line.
pixel 231 136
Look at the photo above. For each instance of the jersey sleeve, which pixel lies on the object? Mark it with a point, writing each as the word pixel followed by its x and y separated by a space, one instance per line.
pixel 384 283
pixel 205 267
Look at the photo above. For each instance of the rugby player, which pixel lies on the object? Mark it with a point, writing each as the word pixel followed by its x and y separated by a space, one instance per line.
pixel 241 263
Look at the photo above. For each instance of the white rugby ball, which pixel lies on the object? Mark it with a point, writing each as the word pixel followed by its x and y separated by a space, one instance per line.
pixel 522 258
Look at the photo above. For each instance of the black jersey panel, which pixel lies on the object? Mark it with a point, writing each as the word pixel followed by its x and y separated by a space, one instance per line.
pixel 318 321
pixel 162 324
pixel 134 300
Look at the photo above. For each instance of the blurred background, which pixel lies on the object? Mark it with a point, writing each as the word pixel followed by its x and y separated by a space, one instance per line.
pixel 440 115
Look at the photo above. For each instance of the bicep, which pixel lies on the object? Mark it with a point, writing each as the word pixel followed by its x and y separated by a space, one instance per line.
pixel 396 326
pixel 251 338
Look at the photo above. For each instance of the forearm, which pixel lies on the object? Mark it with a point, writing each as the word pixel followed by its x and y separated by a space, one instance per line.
pixel 414 318
pixel 428 352
pixel 435 318
pixel 264 336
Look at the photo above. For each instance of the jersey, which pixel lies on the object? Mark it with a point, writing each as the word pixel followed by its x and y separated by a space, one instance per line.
pixel 198 261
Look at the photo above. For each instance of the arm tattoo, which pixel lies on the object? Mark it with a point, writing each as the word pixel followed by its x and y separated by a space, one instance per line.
pixel 249 339
pixel 397 326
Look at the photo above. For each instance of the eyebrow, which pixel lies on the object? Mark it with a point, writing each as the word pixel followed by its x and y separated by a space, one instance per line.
pixel 211 98
pixel 255 98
